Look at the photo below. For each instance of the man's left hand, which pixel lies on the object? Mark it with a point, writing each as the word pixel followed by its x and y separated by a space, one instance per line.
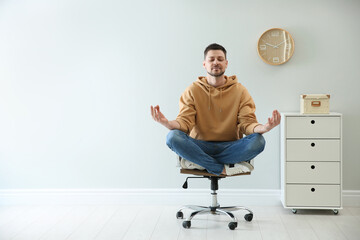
pixel 272 122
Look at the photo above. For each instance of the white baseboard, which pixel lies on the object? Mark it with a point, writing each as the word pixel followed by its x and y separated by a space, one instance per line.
pixel 351 198
pixel 259 197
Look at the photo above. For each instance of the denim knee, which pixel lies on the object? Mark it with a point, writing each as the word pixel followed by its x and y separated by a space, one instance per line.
pixel 260 142
pixel 173 137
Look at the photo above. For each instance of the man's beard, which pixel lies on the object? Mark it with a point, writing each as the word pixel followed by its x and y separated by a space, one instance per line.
pixel 216 75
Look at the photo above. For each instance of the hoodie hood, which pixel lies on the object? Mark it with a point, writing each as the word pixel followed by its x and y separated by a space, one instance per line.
pixel 216 91
pixel 202 81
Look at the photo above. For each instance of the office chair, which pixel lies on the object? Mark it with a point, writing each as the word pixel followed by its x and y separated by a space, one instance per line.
pixel 215 207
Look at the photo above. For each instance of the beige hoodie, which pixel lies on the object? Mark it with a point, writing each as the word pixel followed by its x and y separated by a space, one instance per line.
pixel 223 113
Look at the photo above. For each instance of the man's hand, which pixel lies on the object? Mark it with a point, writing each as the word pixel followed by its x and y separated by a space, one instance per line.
pixel 272 122
pixel 160 118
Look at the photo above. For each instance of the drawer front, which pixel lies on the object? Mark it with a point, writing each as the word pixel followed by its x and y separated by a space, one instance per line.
pixel 313 127
pixel 313 195
pixel 313 172
pixel 313 150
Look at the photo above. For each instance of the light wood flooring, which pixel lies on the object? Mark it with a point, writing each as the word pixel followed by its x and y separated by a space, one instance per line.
pixel 124 222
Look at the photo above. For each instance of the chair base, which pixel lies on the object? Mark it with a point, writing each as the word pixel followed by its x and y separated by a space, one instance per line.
pixel 215 206
pixel 214 210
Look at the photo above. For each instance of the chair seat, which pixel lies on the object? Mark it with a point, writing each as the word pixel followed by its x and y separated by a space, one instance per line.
pixel 205 173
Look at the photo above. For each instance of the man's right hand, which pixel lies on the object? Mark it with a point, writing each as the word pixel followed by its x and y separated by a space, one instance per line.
pixel 160 118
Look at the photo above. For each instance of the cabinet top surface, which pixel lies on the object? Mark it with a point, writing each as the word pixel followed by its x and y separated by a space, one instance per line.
pixel 298 114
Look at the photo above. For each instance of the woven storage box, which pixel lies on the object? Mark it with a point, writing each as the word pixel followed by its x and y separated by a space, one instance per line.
pixel 314 103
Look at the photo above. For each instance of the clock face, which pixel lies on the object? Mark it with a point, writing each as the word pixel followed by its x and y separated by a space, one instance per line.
pixel 275 46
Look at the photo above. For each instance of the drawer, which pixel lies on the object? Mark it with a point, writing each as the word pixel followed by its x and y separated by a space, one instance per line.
pixel 313 127
pixel 313 150
pixel 312 195
pixel 313 172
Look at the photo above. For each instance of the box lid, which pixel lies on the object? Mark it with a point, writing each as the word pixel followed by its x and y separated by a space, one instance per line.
pixel 315 96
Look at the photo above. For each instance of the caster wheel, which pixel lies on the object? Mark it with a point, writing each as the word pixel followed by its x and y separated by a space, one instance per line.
pixel 248 217
pixel 294 211
pixel 232 225
pixel 179 215
pixel 186 224
pixel 335 211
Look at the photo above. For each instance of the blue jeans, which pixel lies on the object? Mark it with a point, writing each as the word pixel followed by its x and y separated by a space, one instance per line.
pixel 213 155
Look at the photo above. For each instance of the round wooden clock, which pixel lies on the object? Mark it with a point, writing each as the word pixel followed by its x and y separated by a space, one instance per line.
pixel 275 46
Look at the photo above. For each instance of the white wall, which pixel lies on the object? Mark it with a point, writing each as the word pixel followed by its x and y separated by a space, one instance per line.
pixel 77 79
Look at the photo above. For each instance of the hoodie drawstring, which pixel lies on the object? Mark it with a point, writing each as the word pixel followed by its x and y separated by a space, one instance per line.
pixel 220 99
pixel 209 98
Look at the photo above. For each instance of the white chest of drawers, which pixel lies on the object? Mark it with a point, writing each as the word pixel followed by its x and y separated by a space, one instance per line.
pixel 311 161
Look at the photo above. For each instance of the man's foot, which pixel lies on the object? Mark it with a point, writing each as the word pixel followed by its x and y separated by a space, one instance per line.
pixel 237 168
pixel 186 164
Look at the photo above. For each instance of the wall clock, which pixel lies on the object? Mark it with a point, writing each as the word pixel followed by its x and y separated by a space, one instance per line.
pixel 276 46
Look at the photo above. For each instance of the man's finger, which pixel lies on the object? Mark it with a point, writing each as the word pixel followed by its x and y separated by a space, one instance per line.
pixel 152 112
pixel 278 116
pixel 156 114
pixel 275 116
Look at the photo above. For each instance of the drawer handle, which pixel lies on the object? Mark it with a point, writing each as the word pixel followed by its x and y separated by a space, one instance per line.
pixel 312 121
pixel 313 144
pixel 312 166
pixel 313 189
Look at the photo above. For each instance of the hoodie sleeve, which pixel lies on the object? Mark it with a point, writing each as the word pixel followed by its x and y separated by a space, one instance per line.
pixel 186 117
pixel 246 117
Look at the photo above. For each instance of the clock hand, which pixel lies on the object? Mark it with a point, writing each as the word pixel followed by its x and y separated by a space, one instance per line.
pixel 277 45
pixel 271 45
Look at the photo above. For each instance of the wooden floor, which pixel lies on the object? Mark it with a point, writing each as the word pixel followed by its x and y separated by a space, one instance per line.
pixel 159 223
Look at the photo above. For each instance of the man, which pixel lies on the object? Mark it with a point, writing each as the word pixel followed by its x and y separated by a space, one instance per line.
pixel 215 112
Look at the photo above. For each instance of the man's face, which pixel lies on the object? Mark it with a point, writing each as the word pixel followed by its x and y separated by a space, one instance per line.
pixel 215 63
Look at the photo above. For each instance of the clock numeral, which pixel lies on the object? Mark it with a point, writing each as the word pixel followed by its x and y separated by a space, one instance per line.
pixel 288 46
pixel 262 47
pixel 276 59
pixel 275 33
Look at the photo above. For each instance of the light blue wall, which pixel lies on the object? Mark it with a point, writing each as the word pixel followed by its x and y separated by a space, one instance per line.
pixel 77 79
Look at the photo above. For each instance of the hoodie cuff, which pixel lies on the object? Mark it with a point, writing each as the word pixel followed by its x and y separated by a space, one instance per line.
pixel 251 127
pixel 183 126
